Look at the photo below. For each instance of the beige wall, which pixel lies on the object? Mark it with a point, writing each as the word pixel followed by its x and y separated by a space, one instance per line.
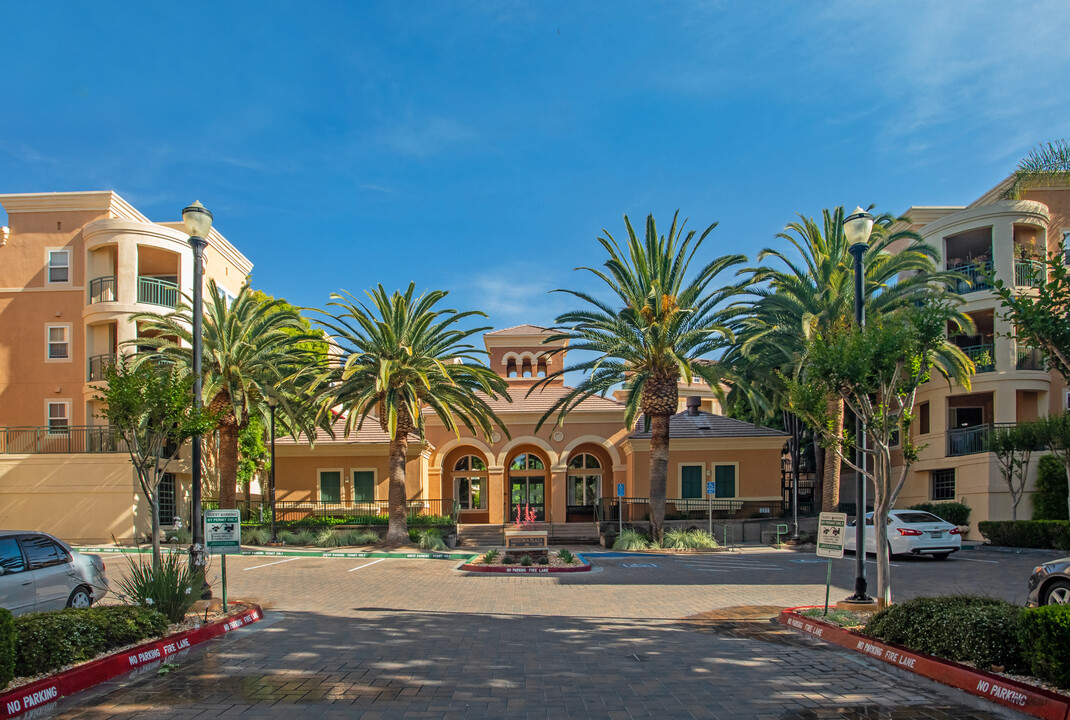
pixel 297 471
pixel 757 474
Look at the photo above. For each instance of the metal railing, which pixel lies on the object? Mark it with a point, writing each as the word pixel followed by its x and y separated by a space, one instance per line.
pixel 1029 273
pixel 375 512
pixel 1031 359
pixel 609 509
pixel 977 274
pixel 982 356
pixel 157 292
pixel 102 289
pixel 98 366
pixel 971 440
pixel 51 440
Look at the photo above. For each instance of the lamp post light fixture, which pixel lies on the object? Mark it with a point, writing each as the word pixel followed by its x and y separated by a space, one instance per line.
pixel 198 222
pixel 857 228
pixel 272 401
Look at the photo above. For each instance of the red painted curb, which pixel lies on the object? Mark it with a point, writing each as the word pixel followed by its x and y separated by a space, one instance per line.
pixel 521 570
pixel 149 655
pixel 995 688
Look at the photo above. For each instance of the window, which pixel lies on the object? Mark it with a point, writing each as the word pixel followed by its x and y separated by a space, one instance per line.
pixel 470 482
pixel 1066 399
pixel 691 481
pixel 168 510
pixel 363 486
pixel 59 415
pixel 11 556
pixel 59 266
pixel 331 486
pixel 725 478
pixel 59 342
pixel 943 484
pixel 923 419
pixel 584 487
pixel 526 462
pixel 42 551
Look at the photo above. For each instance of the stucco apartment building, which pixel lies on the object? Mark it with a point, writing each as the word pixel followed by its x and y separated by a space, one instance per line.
pixel 1006 238
pixel 73 268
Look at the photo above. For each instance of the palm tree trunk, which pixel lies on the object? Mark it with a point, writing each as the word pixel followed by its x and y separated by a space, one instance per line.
pixel 659 472
pixel 397 532
pixel 228 464
pixel 830 491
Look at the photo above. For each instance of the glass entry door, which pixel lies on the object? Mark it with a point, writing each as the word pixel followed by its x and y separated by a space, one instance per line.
pixel 527 492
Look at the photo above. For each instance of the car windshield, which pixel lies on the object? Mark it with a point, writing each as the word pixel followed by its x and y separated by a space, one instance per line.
pixel 912 518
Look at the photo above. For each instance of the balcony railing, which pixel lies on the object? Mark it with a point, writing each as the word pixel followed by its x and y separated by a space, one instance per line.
pixel 157 292
pixel 967 440
pixel 102 289
pixel 981 355
pixel 1031 359
pixel 977 274
pixel 98 366
pixel 375 512
pixel 50 440
pixel 609 509
pixel 1029 273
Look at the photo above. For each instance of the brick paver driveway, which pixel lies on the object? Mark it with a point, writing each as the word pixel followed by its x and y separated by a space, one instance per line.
pixel 644 637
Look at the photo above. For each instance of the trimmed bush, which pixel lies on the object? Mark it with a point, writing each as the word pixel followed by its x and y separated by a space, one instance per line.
pixel 47 641
pixel 7 648
pixel 956 513
pixel 1049 499
pixel 1027 533
pixel 1045 637
pixel 978 630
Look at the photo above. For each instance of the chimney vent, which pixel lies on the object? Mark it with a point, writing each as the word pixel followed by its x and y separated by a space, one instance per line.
pixel 694 402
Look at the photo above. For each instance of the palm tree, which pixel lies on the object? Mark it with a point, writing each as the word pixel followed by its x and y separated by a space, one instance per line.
pixel 814 290
pixel 250 348
pixel 655 332
pixel 404 357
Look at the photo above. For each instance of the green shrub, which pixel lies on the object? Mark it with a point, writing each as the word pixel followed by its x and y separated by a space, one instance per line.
pixel 360 537
pixel 1049 499
pixel 490 556
pixel 327 538
pixel 181 536
pixel 304 537
pixel 630 540
pixel 525 560
pixel 978 630
pixel 956 513
pixel 1045 637
pixel 172 589
pixel 49 640
pixel 431 539
pixel 1027 533
pixel 566 557
pixel 256 536
pixel 7 648
pixel 542 560
pixel 679 539
pixel 508 559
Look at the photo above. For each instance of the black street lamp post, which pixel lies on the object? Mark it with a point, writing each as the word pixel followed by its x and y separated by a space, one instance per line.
pixel 198 222
pixel 272 402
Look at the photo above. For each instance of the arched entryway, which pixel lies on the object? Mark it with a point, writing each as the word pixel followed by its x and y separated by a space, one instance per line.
pixel 588 471
pixel 527 484
pixel 467 481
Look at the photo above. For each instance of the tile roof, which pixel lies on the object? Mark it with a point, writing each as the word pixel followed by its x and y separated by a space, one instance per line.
pixel 521 330
pixel 707 425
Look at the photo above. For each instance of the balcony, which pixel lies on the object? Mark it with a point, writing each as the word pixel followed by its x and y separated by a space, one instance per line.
pixel 982 357
pixel 52 440
pixel 157 292
pixel 102 289
pixel 1031 359
pixel 1029 273
pixel 977 275
pixel 98 366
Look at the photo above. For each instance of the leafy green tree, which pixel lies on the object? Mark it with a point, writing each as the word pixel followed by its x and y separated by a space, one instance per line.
pixel 654 332
pixel 876 371
pixel 1051 498
pixel 1054 432
pixel 811 290
pixel 402 358
pixel 1012 447
pixel 250 350
pixel 253 456
pixel 151 407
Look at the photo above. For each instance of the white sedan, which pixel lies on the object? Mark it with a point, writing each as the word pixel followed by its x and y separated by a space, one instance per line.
pixel 39 572
pixel 910 532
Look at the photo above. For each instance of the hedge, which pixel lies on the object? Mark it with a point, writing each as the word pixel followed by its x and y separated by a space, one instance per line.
pixel 956 513
pixel 1045 637
pixel 49 640
pixel 978 630
pixel 7 647
pixel 1051 534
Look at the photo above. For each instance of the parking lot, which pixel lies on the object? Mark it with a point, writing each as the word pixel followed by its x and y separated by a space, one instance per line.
pixel 641 636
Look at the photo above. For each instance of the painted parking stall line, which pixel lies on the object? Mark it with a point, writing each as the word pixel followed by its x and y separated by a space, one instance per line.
pixel 277 562
pixel 361 567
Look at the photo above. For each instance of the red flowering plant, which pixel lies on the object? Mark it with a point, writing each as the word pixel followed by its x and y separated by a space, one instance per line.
pixel 525 518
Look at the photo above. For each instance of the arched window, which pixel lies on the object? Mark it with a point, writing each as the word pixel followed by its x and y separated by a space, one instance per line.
pixel 510 368
pixel 541 368
pixel 526 461
pixel 470 482
pixel 584 480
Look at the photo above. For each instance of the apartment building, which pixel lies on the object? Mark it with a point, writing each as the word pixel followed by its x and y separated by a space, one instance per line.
pixel 73 268
pixel 991 236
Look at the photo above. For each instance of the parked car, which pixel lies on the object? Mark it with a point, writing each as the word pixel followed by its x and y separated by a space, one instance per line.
pixel 39 572
pixel 1050 583
pixel 911 532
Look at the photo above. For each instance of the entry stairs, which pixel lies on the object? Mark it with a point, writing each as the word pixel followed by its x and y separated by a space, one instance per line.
pixel 559 534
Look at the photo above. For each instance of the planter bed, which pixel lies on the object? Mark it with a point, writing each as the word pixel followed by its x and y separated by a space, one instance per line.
pixel 553 568
pixel 1020 696
pixel 145 656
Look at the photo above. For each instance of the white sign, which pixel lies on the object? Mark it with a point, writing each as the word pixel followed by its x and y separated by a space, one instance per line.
pixel 222 531
pixel 831 529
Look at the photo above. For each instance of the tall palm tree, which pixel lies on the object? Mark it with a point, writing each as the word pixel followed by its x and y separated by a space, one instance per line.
pixel 403 358
pixel 249 350
pixel 654 332
pixel 813 289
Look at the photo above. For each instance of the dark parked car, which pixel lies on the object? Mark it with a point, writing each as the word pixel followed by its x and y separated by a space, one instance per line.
pixel 1050 583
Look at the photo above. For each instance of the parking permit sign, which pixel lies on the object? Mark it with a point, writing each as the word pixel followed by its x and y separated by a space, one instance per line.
pixel 831 529
pixel 222 531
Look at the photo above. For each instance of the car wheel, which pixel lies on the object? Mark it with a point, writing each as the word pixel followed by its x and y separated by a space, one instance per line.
pixel 1058 593
pixel 80 598
pixel 941 556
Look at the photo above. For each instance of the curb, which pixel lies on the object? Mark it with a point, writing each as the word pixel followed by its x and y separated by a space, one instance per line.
pixel 509 569
pixel 147 656
pixel 1024 698
pixel 296 553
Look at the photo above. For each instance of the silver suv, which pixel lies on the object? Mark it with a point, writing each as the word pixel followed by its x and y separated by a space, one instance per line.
pixel 39 572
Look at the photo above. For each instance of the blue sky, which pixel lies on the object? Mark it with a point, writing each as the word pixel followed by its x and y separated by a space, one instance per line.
pixel 480 147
